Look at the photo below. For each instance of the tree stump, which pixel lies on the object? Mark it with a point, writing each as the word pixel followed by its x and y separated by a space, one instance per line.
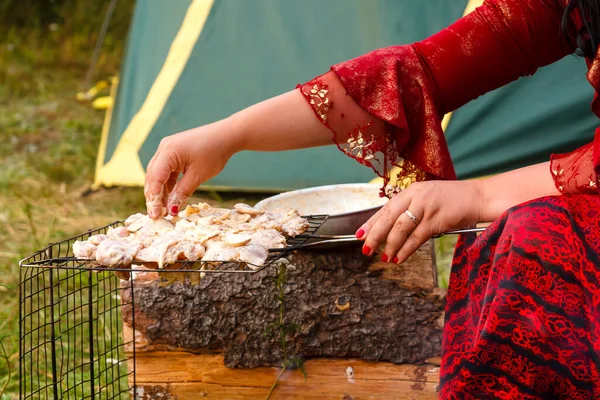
pixel 311 305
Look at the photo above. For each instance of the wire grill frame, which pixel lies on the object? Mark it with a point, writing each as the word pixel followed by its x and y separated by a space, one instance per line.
pixel 71 342
pixel 59 255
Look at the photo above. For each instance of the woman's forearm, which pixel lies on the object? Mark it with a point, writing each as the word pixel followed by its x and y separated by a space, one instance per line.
pixel 285 122
pixel 501 192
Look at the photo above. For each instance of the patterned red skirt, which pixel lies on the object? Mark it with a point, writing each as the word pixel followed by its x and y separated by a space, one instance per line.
pixel 523 312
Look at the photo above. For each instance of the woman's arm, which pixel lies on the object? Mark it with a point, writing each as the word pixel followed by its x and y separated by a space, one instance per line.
pixel 501 192
pixel 285 122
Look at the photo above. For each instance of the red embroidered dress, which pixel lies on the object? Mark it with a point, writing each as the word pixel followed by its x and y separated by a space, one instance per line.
pixel 523 312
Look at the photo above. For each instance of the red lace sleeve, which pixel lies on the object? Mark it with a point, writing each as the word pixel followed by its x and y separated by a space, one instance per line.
pixel 577 172
pixel 385 108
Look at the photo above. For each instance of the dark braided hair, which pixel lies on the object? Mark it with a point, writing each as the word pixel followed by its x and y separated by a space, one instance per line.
pixel 588 37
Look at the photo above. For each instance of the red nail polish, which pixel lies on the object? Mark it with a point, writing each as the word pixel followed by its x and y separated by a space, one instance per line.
pixel 366 250
pixel 360 233
pixel 174 209
pixel 395 260
pixel 384 258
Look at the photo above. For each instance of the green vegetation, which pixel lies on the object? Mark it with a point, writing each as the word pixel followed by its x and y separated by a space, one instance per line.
pixel 49 140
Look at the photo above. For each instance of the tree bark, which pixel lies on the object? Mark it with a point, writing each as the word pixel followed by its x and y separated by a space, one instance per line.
pixel 336 304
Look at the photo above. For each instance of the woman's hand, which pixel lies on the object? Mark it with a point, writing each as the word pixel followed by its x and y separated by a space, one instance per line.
pixel 438 206
pixel 199 154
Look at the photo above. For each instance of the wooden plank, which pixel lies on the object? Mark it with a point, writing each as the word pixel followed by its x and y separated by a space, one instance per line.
pixel 193 391
pixel 165 367
pixel 326 378
pixel 372 390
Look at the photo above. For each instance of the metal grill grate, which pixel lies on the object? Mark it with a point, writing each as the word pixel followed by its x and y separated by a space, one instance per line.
pixel 71 335
pixel 60 255
pixel 71 342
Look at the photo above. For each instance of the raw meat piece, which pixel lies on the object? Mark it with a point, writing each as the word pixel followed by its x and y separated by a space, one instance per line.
pixel 236 218
pixel 218 214
pixel 96 239
pixel 236 239
pixel 193 251
pixel 113 253
pixel 268 239
pixel 117 232
pixel 216 251
pixel 131 219
pixel 150 225
pixel 295 226
pixel 199 232
pixel 148 254
pixel 255 255
pixel 266 221
pixel 189 210
pixel 246 209
pixel 85 250
pixel 184 225
pixel 163 249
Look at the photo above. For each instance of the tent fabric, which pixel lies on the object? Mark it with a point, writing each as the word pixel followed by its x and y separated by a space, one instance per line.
pixel 524 122
pixel 192 62
pixel 125 161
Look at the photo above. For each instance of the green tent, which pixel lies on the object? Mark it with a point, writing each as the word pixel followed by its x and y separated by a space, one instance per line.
pixel 191 62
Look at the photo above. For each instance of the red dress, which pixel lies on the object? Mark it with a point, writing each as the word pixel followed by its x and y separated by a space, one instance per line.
pixel 523 310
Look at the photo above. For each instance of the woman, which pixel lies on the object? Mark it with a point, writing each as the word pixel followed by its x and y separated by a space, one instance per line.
pixel 524 298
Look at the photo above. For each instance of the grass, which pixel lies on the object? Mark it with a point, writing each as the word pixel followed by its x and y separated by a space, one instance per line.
pixel 48 149
pixel 49 143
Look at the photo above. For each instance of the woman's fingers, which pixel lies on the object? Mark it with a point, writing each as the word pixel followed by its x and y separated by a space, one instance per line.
pixel 157 174
pixel 182 191
pixel 378 227
pixel 363 231
pixel 169 185
pixel 415 240
pixel 400 232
